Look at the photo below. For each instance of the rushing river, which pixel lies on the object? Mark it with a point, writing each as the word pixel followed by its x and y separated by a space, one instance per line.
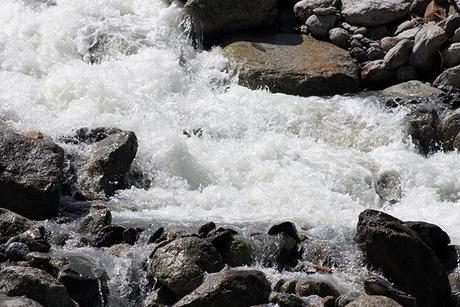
pixel 261 158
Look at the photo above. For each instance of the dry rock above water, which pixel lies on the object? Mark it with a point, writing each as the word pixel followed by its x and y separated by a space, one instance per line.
pixel 292 64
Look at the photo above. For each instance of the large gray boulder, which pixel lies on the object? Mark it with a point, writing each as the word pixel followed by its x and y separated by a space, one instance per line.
pixel 12 224
pixel 413 88
pixel 17 301
pixel 35 284
pixel 109 164
pixel 373 301
pixel 30 175
pixel 232 288
pixel 211 18
pixel 451 55
pixel 449 77
pixel 292 64
pixel 304 8
pixel 428 42
pixel 374 13
pixel 398 55
pixel 181 264
pixel 398 251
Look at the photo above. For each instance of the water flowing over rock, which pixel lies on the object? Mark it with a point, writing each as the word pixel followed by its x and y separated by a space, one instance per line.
pixel 35 284
pixel 293 64
pixel 391 246
pixel 181 264
pixel 211 18
pixel 230 289
pixel 373 13
pixel 30 175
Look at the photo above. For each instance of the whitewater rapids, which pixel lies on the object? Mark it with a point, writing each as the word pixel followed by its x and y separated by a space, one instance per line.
pixel 262 157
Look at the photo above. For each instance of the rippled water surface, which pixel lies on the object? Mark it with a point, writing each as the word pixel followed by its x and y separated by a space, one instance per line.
pixel 261 158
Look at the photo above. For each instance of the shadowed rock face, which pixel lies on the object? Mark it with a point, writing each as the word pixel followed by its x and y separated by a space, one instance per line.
pixel 30 175
pixel 213 17
pixel 292 64
pixel 402 255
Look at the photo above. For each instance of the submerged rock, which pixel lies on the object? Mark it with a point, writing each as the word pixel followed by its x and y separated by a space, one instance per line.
pixel 292 64
pixel 30 175
pixel 395 249
pixel 181 264
pixel 35 284
pixel 211 18
pixel 232 288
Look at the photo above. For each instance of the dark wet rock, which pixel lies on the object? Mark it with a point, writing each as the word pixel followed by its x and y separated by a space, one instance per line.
pixel 450 129
pixel 212 18
pixel 398 55
pixel 114 234
pixel 406 73
pixel 451 55
pixel 304 8
pixel 366 13
pixel 287 300
pixel 313 287
pixel 374 74
pixel 232 288
pixel 160 296
pixel 109 164
pixel 85 281
pixel 204 229
pixel 428 42
pixel 237 252
pixel 286 285
pixel 30 175
pixel 17 251
pixel 376 285
pixel 91 136
pixel 346 299
pixel 292 64
pixel 388 187
pixel 95 220
pixel 35 238
pixel 220 237
pixel 421 125
pixel 35 284
pixel 394 248
pixel 288 252
pixel 359 54
pixel 37 259
pixel 157 236
pixel 449 78
pixel 373 301
pixel 339 37
pixel 418 7
pixel 413 88
pixel 12 224
pixel 181 264
pixel 438 240
pixel 374 53
pixel 17 301
pixel 319 26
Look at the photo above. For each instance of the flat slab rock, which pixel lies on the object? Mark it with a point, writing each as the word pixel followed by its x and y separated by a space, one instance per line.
pixel 292 64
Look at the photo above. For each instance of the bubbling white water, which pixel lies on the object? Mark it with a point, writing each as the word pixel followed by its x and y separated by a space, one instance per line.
pixel 262 157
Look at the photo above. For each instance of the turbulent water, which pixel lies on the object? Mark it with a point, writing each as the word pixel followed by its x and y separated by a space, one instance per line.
pixel 262 157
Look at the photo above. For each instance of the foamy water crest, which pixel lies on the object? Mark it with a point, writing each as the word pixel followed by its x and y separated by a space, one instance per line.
pixel 261 157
